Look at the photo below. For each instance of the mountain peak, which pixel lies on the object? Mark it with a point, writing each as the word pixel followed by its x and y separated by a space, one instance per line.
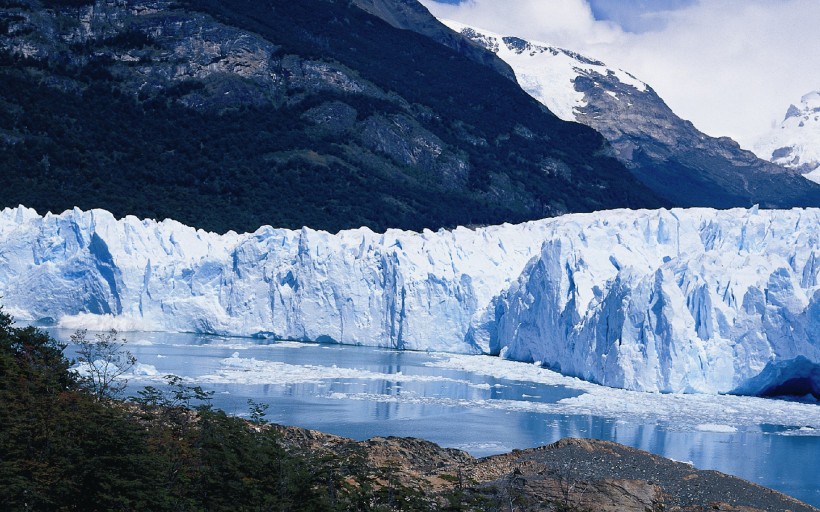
pixel 548 73
pixel 811 100
pixel 665 152
pixel 795 143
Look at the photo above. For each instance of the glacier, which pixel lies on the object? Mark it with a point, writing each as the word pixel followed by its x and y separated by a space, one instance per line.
pixel 682 300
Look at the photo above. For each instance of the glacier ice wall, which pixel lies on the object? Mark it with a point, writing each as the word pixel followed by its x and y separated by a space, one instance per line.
pixel 683 300
pixel 398 289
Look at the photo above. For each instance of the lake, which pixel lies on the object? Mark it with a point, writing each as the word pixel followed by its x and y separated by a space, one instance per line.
pixel 484 405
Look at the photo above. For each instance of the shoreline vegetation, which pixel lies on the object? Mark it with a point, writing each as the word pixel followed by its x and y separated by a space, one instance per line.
pixel 68 443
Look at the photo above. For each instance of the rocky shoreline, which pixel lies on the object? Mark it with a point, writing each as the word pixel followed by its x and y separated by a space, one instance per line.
pixel 571 474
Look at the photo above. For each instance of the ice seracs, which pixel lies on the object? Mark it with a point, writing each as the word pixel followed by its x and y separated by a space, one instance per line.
pixel 795 142
pixel 680 301
pixel 396 289
pixel 695 300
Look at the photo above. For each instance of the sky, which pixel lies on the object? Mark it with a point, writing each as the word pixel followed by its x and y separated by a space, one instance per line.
pixel 732 67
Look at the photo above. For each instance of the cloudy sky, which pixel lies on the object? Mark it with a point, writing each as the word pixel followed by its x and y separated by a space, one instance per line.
pixel 730 66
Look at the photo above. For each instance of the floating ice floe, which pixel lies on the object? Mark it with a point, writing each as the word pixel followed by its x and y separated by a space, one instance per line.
pixel 686 412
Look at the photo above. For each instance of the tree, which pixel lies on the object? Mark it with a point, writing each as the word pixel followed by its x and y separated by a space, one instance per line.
pixel 258 411
pixel 103 362
pixel 61 448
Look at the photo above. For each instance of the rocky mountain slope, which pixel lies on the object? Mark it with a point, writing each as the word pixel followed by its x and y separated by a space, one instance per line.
pixel 569 475
pixel 795 143
pixel 232 114
pixel 694 300
pixel 665 152
pixel 411 15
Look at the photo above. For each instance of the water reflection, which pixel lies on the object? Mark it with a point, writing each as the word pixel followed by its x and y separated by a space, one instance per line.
pixel 403 397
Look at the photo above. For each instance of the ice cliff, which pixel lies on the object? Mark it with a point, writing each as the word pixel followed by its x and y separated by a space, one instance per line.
pixel 694 300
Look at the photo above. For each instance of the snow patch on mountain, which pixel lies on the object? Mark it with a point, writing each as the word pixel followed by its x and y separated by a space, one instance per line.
pixel 547 73
pixel 694 300
pixel 795 143
pixel 664 152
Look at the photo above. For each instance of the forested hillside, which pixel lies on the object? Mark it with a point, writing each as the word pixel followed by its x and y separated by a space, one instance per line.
pixel 68 445
pixel 233 114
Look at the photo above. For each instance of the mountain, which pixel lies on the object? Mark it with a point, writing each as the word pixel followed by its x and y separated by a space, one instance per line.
pixel 233 114
pixel 695 300
pixel 795 143
pixel 411 15
pixel 666 153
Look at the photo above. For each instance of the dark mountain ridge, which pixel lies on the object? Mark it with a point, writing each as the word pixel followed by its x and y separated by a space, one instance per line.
pixel 411 15
pixel 679 162
pixel 233 114
pixel 664 152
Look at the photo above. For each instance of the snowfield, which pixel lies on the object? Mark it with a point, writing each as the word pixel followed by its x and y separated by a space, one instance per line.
pixel 795 142
pixel 694 300
pixel 547 73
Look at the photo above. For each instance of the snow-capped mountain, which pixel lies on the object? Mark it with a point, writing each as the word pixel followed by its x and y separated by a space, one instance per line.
pixel 682 300
pixel 668 154
pixel 795 143
pixel 546 72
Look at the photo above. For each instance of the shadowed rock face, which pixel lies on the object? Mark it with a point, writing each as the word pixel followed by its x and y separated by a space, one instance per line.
pixel 678 161
pixel 218 109
pixel 411 15
pixel 571 474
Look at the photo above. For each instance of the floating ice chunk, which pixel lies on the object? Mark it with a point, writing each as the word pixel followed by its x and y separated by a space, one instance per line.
pixel 676 411
pixel 713 427
pixel 144 370
pixel 796 377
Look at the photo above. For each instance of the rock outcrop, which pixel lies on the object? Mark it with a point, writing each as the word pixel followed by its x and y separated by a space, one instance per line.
pixel 571 474
pixel 411 15
pixel 211 112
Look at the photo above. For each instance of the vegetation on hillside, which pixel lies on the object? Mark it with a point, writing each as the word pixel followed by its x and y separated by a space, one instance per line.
pixel 76 131
pixel 61 448
pixel 67 444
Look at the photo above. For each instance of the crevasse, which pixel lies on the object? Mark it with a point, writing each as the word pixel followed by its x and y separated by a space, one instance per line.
pixel 694 300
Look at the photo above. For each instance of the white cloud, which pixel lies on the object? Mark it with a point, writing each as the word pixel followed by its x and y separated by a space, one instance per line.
pixel 561 20
pixel 730 66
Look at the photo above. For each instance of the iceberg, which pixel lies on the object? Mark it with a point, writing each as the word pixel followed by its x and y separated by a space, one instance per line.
pixel 694 300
